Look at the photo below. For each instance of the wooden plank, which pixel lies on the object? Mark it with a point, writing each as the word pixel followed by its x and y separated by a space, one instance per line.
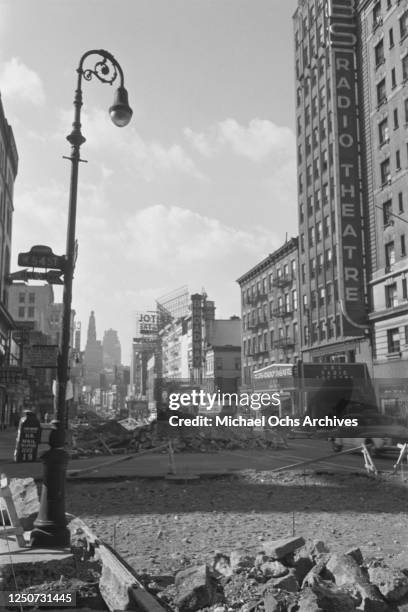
pixel 95 468
pixel 15 528
pixel 118 585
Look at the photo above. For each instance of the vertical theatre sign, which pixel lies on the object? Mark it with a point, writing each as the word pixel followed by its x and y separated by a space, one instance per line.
pixel 343 39
pixel 196 330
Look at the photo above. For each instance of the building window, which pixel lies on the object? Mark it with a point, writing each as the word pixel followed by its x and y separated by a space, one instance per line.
pixel 304 301
pixel 311 236
pixel 377 19
pixel 387 212
pixel 302 243
pixel 404 289
pixel 393 78
pixel 329 293
pixel 405 68
pixel 400 202
pixel 397 160
pixel 31 298
pixel 294 300
pixel 293 267
pixel 317 199
pixel 379 53
pixel 30 314
pixel 389 254
pixel 391 37
pixel 21 312
pixel 330 328
pixel 403 247
pixel 21 298
pixel 385 171
pixel 391 297
pixel 319 231
pixel 303 273
pixel 338 326
pixel 381 93
pixel 321 296
pixel 393 340
pixel 313 299
pixel 324 160
pixel 325 193
pixel 404 25
pixel 396 124
pixel 326 227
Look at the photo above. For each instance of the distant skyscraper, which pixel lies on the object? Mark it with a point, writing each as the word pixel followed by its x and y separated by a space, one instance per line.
pixel 112 352
pixel 93 362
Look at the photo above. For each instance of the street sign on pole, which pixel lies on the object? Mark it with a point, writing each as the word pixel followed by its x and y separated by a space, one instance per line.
pixel 53 277
pixel 41 256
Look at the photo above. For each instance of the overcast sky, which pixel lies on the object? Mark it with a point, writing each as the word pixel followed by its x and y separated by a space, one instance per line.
pixel 197 189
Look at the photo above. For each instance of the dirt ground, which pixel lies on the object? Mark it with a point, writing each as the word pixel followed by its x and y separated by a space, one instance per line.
pixel 160 526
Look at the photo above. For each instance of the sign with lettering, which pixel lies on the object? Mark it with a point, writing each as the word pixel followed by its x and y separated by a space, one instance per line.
pixel 342 37
pixel 314 373
pixel 196 330
pixel 41 356
pixel 41 256
pixel 146 323
pixel 28 438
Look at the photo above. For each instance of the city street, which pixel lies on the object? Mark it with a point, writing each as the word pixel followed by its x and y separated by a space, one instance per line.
pixel 157 464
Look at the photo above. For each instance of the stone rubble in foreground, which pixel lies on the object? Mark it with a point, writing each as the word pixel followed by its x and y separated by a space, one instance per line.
pixel 287 575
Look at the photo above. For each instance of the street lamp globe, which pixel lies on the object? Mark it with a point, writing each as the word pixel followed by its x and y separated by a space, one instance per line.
pixel 120 111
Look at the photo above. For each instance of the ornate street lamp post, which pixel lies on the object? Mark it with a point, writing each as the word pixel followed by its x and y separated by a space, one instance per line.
pixel 51 525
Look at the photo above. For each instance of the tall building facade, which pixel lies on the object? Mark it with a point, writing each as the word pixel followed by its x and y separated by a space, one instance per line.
pixel 351 64
pixel 8 173
pixel 93 356
pixel 112 352
pixel 269 302
pixel 383 79
pixel 333 214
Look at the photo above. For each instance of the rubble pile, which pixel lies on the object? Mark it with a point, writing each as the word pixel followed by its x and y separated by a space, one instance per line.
pixel 112 437
pixel 286 575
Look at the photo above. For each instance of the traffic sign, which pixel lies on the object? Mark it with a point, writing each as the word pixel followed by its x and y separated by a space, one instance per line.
pixel 41 256
pixel 41 356
pixel 53 277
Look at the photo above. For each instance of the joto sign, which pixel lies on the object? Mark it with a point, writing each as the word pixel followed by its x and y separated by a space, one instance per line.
pixel 146 322
pixel 196 331
pixel 342 36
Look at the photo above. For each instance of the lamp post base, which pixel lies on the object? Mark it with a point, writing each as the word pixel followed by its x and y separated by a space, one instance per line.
pixel 50 527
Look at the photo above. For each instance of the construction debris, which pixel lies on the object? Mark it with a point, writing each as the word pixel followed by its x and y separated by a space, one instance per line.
pixel 112 437
pixel 284 576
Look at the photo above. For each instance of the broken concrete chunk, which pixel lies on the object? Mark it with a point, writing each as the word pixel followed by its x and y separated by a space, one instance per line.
pixel 241 559
pixel 356 554
pixel 392 583
pixel 286 583
pixel 279 549
pixel 194 588
pixel 331 597
pixel 345 570
pixel 273 569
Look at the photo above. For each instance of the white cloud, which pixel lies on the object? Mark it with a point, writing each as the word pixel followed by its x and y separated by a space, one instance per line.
pixel 182 238
pixel 19 81
pixel 146 160
pixel 257 141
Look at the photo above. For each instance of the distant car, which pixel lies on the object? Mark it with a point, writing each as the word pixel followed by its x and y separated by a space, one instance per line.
pixel 377 431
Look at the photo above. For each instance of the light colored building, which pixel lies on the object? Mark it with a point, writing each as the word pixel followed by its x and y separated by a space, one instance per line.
pixel 112 352
pixel 383 76
pixel 92 359
pixel 270 317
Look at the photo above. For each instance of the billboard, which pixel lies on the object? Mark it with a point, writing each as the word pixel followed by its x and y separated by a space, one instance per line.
pixel 146 324
pixel 343 39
